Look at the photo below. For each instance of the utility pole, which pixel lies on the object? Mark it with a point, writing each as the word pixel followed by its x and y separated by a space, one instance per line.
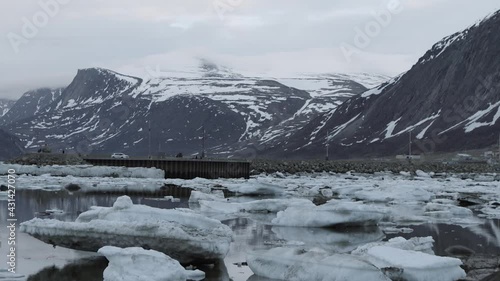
pixel 409 146
pixel 203 144
pixel 327 145
pixel 149 139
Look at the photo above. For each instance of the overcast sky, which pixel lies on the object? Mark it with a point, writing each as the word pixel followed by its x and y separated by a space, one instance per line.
pixel 44 47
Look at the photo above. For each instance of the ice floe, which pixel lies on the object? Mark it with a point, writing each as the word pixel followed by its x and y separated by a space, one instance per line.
pixel 421 244
pixel 90 185
pixel 396 259
pixel 83 171
pixel 339 241
pixel 256 188
pixel 491 211
pixel 257 206
pixel 412 259
pixel 405 196
pixel 297 264
pixel 179 233
pixel 331 214
pixel 137 264
pixel 416 266
pixel 422 174
pixel 446 211
pixel 196 196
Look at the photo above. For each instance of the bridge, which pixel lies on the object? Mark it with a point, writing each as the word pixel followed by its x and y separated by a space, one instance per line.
pixel 183 168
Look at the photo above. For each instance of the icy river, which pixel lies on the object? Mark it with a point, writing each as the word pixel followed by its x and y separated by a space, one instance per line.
pixel 461 215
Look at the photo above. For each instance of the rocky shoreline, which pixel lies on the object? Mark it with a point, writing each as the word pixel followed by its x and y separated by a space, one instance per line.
pixel 259 166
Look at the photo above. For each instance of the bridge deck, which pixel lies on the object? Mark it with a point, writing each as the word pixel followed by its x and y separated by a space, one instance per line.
pixel 184 168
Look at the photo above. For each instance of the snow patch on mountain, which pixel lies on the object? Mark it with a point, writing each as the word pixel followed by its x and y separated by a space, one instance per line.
pixel 390 128
pixel 389 132
pixel 5 106
pixel 473 121
pixel 337 130
pixel 378 90
pixel 440 47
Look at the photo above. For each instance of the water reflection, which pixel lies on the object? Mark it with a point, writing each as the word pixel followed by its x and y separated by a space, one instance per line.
pixel 88 269
pixel 258 278
pixel 490 231
pixel 341 241
pixel 92 270
pixel 480 239
pixel 217 272
pixel 31 202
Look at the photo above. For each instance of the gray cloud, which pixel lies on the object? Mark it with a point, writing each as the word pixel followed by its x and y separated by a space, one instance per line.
pixel 279 37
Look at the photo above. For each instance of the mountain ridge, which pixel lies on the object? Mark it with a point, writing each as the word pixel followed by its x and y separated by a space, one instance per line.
pixel 448 99
pixel 103 111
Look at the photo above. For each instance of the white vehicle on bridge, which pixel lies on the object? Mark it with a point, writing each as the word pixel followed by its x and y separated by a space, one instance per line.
pixel 120 156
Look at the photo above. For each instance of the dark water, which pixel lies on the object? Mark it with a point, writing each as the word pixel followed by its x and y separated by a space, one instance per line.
pixel 481 239
pixel 250 233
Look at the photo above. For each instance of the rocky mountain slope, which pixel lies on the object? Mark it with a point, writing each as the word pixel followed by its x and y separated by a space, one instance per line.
pixel 5 106
pixel 10 146
pixel 448 101
pixel 30 104
pixel 102 111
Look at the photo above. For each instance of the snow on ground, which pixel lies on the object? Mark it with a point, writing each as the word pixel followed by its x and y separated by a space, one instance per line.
pixel 180 233
pixel 137 264
pixel 83 171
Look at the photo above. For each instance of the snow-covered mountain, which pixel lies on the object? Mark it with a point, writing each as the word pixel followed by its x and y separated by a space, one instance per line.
pixel 5 106
pixel 30 104
pixel 104 111
pixel 328 91
pixel 449 100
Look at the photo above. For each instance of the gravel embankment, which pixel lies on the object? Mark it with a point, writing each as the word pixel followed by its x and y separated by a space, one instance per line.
pixel 47 159
pixel 370 166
